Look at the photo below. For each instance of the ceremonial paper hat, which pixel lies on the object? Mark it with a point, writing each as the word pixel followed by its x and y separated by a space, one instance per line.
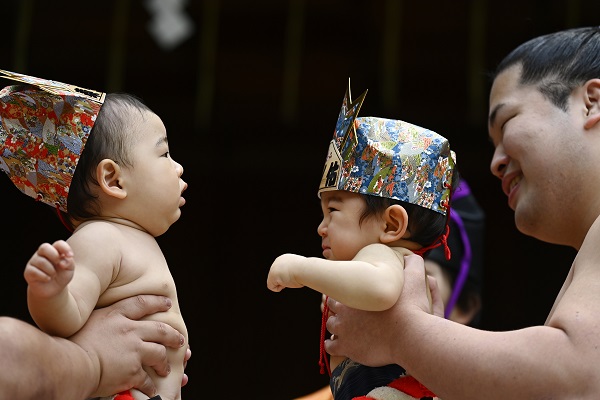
pixel 44 126
pixel 388 158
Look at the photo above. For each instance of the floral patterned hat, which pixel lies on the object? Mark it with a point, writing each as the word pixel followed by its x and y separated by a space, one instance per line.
pixel 44 126
pixel 388 158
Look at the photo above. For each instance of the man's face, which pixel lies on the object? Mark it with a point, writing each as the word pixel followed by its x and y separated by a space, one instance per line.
pixel 535 151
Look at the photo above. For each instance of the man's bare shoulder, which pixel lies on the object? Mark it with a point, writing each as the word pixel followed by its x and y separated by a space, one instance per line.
pixel 575 315
pixel 577 307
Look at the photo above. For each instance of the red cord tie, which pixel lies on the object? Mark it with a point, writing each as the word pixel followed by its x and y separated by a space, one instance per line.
pixel 442 240
pixel 323 359
pixel 60 216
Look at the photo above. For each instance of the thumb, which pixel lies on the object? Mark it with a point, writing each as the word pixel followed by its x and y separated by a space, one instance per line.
pixel 437 304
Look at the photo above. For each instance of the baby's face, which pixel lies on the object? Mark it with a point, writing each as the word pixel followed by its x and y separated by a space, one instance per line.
pixel 154 184
pixel 342 232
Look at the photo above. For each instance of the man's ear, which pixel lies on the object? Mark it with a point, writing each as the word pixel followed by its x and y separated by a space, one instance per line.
pixel 109 176
pixel 396 223
pixel 592 103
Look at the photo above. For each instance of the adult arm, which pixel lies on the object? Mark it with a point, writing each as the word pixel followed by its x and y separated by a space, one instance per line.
pixel 105 357
pixel 371 281
pixel 458 362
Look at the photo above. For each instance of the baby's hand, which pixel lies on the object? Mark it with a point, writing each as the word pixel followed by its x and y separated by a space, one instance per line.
pixel 281 274
pixel 50 269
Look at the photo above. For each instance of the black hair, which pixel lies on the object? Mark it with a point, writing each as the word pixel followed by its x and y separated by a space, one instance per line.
pixel 425 225
pixel 557 62
pixel 110 138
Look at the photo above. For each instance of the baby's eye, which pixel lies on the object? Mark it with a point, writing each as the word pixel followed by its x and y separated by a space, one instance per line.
pixel 166 154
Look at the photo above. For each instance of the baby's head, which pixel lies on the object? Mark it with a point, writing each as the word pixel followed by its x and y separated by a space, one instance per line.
pixel 54 135
pixel 112 137
pixel 392 162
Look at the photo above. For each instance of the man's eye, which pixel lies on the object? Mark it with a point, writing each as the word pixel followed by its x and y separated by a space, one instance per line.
pixel 331 209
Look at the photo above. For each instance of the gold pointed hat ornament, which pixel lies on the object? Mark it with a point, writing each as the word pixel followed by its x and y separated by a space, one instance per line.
pixel 388 158
pixel 44 126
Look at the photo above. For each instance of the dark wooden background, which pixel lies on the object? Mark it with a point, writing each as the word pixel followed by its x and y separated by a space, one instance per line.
pixel 250 100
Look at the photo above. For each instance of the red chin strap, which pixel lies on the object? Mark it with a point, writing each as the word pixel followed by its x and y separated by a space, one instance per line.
pixel 442 240
pixel 60 216
pixel 59 213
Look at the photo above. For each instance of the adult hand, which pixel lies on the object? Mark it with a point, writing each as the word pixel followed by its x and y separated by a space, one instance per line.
pixel 188 355
pixel 120 345
pixel 370 337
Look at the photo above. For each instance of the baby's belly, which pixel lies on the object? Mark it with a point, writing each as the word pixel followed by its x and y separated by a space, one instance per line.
pixel 156 284
pixel 172 318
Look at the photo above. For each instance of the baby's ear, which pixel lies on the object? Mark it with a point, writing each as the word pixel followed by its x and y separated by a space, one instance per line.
pixel 592 103
pixel 396 220
pixel 109 175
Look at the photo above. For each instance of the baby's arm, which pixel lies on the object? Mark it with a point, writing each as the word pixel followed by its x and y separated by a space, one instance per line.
pixel 48 273
pixel 371 281
pixel 61 303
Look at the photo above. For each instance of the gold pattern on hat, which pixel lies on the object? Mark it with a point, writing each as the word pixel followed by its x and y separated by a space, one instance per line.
pixel 333 161
pixel 54 87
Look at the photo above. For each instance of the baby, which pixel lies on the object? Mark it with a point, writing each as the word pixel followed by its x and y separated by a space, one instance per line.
pixel 102 160
pixel 385 192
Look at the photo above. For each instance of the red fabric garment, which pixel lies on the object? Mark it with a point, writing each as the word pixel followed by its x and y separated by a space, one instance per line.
pixel 126 395
pixel 411 386
pixel 405 384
